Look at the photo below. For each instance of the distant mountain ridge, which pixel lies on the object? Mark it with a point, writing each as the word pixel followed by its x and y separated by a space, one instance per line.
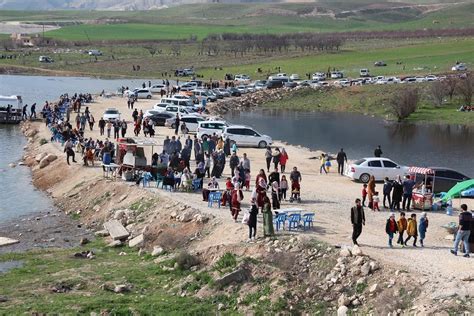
pixel 121 5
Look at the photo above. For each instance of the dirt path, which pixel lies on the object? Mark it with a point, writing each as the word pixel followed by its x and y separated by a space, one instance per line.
pixel 329 196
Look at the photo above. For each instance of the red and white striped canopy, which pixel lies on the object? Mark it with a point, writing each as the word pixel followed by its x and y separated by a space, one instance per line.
pixel 420 170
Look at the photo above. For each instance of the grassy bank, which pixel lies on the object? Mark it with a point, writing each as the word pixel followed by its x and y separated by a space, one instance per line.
pixel 372 100
pixel 417 56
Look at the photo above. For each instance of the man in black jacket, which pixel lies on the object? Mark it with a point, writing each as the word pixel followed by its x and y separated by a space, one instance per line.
pixel 341 159
pixel 357 220
pixel 378 151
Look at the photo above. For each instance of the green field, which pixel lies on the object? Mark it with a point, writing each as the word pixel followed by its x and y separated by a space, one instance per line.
pixel 201 20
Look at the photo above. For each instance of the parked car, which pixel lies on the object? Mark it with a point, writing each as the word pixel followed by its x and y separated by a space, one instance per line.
pixel 178 101
pixel 409 80
pixel 295 77
pixel 337 75
pixel 111 114
pixel 157 88
pixel 188 86
pixel 217 93
pixel 204 94
pixel 242 89
pixel 223 92
pixel 362 169
pixel 208 128
pixel 431 78
pixel 290 84
pixel 274 84
pixel 343 83
pixel 380 64
pixel 459 67
pixel 278 76
pixel 444 178
pixel 246 136
pixel 364 72
pixel 45 59
pixel 241 78
pixel 142 93
pixel 260 84
pixel 151 112
pixel 160 118
pixel 191 121
pixel 234 92
pixel 94 52
pixel 173 109
pixel 321 76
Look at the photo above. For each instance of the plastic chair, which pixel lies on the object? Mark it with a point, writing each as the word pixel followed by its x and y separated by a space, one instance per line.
pixel 147 177
pixel 294 221
pixel 159 179
pixel 196 184
pixel 308 220
pixel 214 197
pixel 280 220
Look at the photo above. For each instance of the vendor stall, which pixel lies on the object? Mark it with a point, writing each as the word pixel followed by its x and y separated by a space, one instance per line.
pixel 422 196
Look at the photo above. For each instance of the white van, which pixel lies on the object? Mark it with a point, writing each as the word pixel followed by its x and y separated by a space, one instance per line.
pixel 208 128
pixel 175 101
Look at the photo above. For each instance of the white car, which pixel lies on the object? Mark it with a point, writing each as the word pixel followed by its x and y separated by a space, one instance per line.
pixel 459 67
pixel 295 77
pixel 337 75
pixel 321 76
pixel 246 136
pixel 242 89
pixel 156 88
pixel 379 167
pixel 364 72
pixel 191 121
pixel 431 78
pixel 208 128
pixel 173 109
pixel 241 78
pixel 343 83
pixel 223 92
pixel 111 114
pixel 142 93
pixel 279 76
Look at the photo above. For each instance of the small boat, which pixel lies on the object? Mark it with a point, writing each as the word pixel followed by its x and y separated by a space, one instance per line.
pixel 11 108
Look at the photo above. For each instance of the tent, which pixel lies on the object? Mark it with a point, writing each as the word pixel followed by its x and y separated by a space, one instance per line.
pixel 458 188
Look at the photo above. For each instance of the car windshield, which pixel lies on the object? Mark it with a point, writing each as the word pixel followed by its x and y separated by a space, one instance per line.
pixel 359 162
pixel 111 112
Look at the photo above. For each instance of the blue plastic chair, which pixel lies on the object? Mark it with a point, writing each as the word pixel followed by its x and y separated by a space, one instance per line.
pixel 280 220
pixel 159 179
pixel 308 220
pixel 147 177
pixel 214 197
pixel 294 221
pixel 196 184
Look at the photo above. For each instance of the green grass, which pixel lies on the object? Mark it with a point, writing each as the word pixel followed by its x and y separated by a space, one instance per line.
pixel 29 287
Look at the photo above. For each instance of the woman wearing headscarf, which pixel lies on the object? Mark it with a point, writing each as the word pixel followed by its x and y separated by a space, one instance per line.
pixel 371 191
pixel 275 195
pixel 283 159
pixel 261 189
pixel 236 197
pixel 397 193
pixel 268 230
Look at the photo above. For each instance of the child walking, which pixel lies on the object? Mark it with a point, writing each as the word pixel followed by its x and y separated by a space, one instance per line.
pixel 283 187
pixel 391 228
pixel 422 228
pixel 402 226
pixel 364 194
pixel 247 180
pixel 375 202
pixel 412 230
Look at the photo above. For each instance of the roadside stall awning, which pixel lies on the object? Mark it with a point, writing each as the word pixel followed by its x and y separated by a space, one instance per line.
pixel 420 170
pixel 458 188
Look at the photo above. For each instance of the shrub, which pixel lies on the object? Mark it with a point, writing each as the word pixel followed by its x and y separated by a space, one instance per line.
pixel 228 260
pixel 404 103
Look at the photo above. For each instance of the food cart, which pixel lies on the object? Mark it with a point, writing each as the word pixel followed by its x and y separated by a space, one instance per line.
pixel 422 196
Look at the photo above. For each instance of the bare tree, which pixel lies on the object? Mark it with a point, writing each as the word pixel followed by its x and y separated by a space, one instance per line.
pixel 404 103
pixel 438 92
pixel 466 88
pixel 151 49
pixel 176 49
pixel 450 84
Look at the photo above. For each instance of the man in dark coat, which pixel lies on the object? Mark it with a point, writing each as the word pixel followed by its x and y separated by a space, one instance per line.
pixel 341 159
pixel 378 151
pixel 357 220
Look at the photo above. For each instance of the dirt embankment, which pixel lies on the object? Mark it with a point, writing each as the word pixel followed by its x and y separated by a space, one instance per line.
pixel 297 268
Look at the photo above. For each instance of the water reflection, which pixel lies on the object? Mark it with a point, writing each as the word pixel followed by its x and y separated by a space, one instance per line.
pixel 411 144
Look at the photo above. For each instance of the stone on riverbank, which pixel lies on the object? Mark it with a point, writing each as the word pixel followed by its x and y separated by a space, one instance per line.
pixel 116 229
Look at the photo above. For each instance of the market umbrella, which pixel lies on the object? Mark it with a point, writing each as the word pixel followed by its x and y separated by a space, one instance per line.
pixel 458 188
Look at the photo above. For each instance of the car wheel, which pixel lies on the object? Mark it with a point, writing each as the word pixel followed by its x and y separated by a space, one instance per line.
pixel 364 178
pixel 148 96
pixel 262 144
pixel 173 125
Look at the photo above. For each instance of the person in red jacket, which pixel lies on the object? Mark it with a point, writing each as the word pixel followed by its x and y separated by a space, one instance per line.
pixel 283 159
pixel 391 228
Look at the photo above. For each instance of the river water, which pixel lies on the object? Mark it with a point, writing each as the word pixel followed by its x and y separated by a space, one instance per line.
pixel 410 144
pixel 418 145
